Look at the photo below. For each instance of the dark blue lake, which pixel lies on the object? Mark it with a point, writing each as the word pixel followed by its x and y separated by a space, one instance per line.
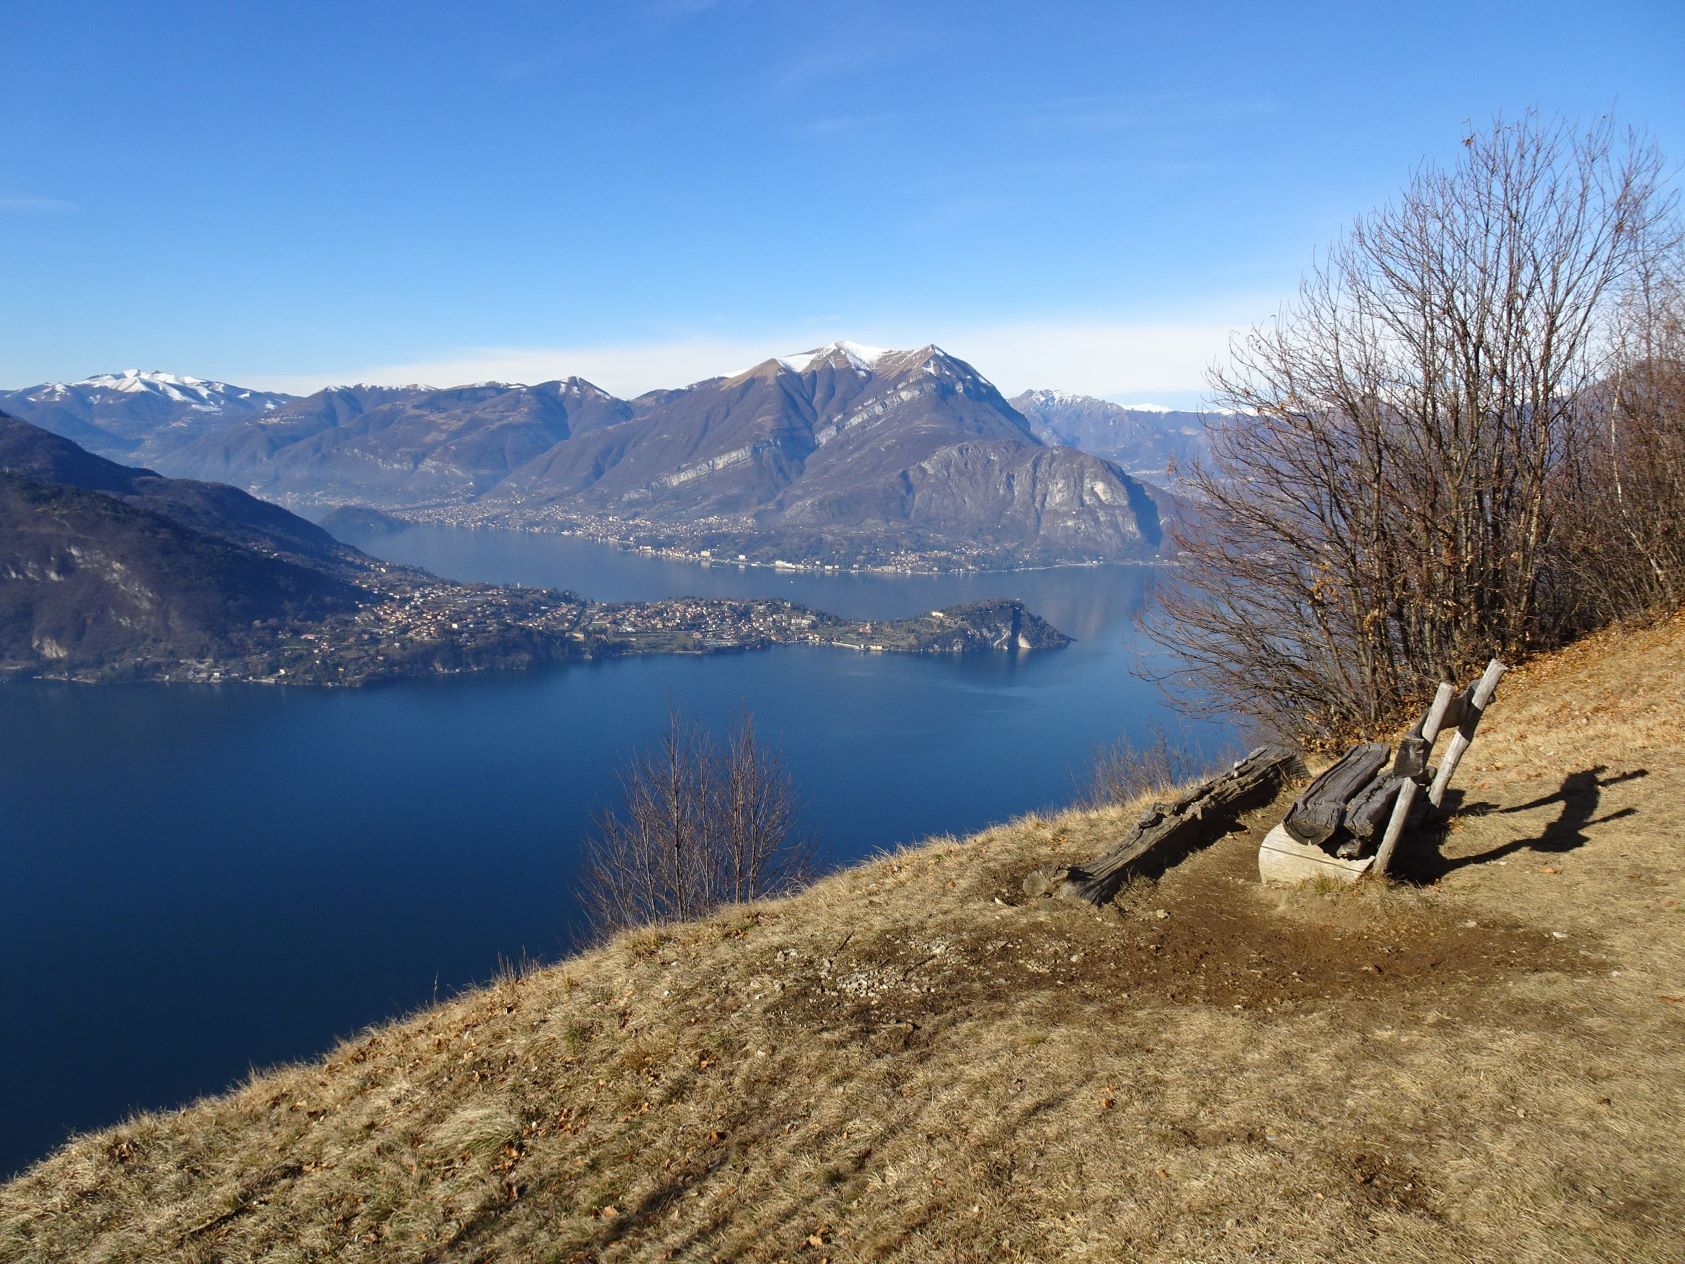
pixel 199 880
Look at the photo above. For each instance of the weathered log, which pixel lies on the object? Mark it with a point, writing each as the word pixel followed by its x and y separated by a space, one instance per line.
pixel 1318 813
pixel 1368 812
pixel 1194 818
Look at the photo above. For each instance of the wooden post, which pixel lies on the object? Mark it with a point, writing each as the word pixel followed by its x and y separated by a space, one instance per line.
pixel 1464 735
pixel 1429 730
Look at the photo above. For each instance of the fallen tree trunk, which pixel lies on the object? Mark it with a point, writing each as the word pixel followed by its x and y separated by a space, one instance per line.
pixel 1192 819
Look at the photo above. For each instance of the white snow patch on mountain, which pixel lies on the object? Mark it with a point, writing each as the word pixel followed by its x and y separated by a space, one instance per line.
pixel 197 393
pixel 130 381
pixel 857 354
pixel 1064 397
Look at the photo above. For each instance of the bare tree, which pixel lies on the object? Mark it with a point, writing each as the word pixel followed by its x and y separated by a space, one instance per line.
pixel 757 820
pixel 1623 533
pixel 699 824
pixel 1377 511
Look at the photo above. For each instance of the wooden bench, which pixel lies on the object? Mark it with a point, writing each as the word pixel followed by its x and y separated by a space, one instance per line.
pixel 1349 820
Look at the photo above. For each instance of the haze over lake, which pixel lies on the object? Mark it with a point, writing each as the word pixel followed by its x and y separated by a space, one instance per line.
pixel 200 880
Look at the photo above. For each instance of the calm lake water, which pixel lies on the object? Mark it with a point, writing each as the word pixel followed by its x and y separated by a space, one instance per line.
pixel 199 880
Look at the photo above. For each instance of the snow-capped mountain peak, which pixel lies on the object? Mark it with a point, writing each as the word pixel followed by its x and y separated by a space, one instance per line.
pixel 857 354
pixel 1047 396
pixel 130 380
pixel 113 413
pixel 176 387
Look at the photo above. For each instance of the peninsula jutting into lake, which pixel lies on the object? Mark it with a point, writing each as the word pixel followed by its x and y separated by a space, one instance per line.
pixel 116 573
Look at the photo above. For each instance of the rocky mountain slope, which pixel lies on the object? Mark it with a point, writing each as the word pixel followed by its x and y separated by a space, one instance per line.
pixel 102 560
pixel 1148 441
pixel 847 445
pixel 841 454
pixel 396 445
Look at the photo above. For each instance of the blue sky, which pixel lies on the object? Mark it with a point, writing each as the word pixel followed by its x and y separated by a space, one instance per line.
pixel 1083 195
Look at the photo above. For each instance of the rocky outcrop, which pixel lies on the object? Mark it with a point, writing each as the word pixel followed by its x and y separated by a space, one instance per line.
pixel 996 625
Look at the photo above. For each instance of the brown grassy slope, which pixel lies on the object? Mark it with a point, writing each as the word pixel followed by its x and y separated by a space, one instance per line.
pixel 895 1065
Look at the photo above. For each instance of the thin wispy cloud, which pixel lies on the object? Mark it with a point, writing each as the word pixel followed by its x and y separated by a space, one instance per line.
pixel 968 208
pixel 844 124
pixel 803 72
pixel 39 205
pixel 605 36
pixel 668 10
pixel 855 51
pixel 1154 113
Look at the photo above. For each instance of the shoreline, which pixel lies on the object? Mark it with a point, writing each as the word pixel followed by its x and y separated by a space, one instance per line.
pixel 629 545
pixel 988 627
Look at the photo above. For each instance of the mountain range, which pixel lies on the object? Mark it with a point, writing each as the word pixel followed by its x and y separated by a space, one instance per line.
pixel 843 454
pixel 1147 440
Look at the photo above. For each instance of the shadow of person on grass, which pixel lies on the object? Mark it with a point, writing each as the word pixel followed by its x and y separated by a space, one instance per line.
pixel 1580 794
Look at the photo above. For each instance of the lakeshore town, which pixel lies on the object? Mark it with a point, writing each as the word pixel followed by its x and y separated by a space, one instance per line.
pixel 723 540
pixel 410 623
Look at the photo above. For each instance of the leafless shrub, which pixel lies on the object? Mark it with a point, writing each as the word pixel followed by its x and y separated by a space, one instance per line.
pixel 1381 505
pixel 1124 770
pixel 700 824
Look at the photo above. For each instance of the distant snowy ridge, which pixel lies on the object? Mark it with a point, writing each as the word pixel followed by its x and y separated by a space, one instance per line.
pixel 1052 398
pixel 1156 442
pixel 1048 398
pixel 151 388
pixel 198 393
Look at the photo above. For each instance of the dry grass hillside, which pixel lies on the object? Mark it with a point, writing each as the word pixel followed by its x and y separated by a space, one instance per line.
pixel 906 1062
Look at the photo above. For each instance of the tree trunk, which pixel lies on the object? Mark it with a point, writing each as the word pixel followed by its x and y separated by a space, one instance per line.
pixel 1170 830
